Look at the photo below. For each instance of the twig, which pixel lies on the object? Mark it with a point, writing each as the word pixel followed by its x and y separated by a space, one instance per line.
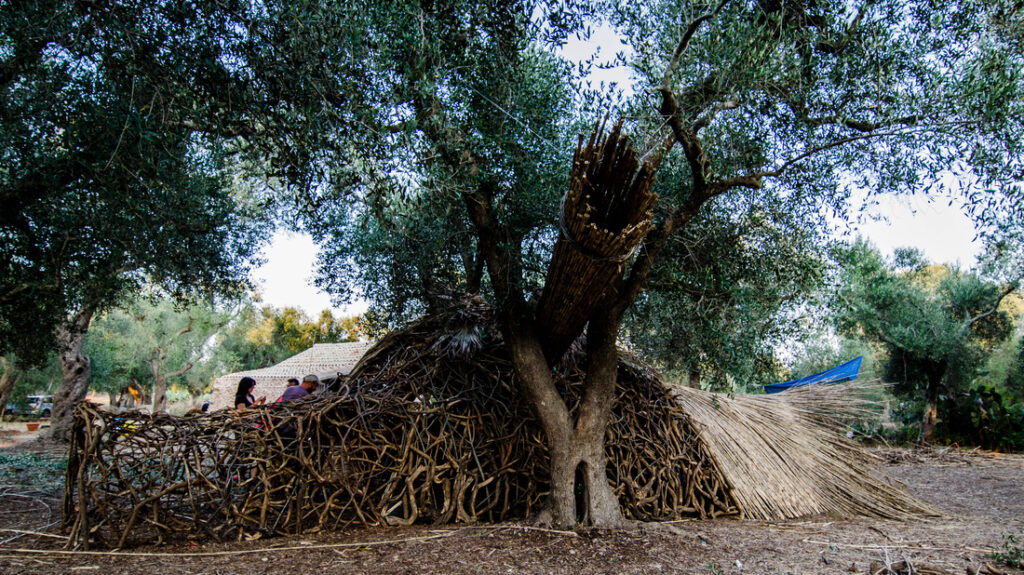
pixel 116 553
pixel 40 534
pixel 898 546
pixel 541 529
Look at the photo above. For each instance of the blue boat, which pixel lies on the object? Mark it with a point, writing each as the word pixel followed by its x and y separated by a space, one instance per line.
pixel 843 372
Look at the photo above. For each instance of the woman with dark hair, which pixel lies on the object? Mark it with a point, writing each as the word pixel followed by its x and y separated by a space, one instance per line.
pixel 244 397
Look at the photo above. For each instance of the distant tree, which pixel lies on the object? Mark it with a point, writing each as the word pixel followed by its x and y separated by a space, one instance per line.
pixel 155 339
pixel 1015 376
pixel 263 336
pixel 938 324
pixel 113 172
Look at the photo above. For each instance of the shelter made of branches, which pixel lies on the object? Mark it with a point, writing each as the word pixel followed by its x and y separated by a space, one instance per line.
pixel 430 428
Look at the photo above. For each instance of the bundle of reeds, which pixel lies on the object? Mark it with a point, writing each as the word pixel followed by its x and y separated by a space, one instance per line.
pixel 784 458
pixel 604 216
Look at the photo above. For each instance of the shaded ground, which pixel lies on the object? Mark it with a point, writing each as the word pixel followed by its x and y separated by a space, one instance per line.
pixel 982 493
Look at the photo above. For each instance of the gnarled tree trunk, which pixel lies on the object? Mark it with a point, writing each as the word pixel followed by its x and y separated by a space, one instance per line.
pixel 156 364
pixel 931 412
pixel 7 381
pixel 75 373
pixel 605 215
pixel 580 492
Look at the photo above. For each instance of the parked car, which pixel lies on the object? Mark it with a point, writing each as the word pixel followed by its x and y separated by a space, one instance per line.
pixel 41 405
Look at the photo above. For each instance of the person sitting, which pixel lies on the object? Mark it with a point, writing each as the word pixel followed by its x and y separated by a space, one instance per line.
pixel 244 397
pixel 308 386
pixel 292 382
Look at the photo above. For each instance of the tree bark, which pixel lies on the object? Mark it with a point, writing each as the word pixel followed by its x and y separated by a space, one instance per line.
pixel 694 381
pixel 159 390
pixel 580 492
pixel 7 381
pixel 931 412
pixel 75 373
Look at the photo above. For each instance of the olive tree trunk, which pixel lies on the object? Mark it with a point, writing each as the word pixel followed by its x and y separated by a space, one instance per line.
pixel 75 371
pixel 7 381
pixel 580 491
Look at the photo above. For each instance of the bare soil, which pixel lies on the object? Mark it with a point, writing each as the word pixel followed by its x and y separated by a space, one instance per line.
pixel 981 493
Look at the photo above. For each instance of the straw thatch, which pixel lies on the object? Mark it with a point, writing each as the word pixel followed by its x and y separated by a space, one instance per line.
pixel 784 457
pixel 431 427
pixel 326 360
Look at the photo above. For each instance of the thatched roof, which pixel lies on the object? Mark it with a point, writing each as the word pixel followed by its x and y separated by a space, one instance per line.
pixel 326 360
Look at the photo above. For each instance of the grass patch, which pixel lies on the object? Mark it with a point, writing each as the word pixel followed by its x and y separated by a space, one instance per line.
pixel 32 470
pixel 1012 554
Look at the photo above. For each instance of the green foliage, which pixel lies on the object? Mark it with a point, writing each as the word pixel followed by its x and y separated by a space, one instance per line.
pixel 1012 554
pixel 261 337
pixel 984 416
pixel 938 326
pixel 415 104
pixel 150 336
pixel 113 176
pixel 725 294
pixel 427 102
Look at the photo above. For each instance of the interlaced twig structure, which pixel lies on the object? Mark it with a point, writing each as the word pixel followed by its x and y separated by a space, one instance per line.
pixel 429 428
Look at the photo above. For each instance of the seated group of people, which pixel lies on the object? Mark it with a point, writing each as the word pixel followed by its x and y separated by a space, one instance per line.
pixel 296 390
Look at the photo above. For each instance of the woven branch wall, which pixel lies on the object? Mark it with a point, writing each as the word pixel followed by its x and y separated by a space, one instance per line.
pixel 421 433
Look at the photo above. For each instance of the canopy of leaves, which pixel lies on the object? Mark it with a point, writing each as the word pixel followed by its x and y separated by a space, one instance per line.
pixel 385 115
pixel 108 177
pixel 936 323
pixel 726 294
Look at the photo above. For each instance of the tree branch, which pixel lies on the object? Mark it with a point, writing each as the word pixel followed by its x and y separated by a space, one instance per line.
pixel 691 29
pixel 970 321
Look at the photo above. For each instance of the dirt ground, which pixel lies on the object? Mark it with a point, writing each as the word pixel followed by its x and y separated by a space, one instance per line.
pixel 981 493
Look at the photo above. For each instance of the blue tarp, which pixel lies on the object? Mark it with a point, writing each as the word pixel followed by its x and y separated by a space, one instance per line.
pixel 843 372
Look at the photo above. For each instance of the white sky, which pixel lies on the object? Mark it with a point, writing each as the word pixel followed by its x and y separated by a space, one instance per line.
pixel 286 280
pixel 940 230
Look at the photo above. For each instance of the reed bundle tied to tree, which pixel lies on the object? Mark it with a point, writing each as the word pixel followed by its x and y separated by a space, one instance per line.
pixel 430 428
pixel 604 216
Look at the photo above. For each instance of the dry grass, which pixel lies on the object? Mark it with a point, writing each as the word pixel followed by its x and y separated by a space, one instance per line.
pixel 784 456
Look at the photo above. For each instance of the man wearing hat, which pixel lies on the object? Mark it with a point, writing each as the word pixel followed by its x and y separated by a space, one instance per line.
pixel 308 386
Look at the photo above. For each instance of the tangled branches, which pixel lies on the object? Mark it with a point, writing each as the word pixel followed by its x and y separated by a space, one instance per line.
pixel 418 434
